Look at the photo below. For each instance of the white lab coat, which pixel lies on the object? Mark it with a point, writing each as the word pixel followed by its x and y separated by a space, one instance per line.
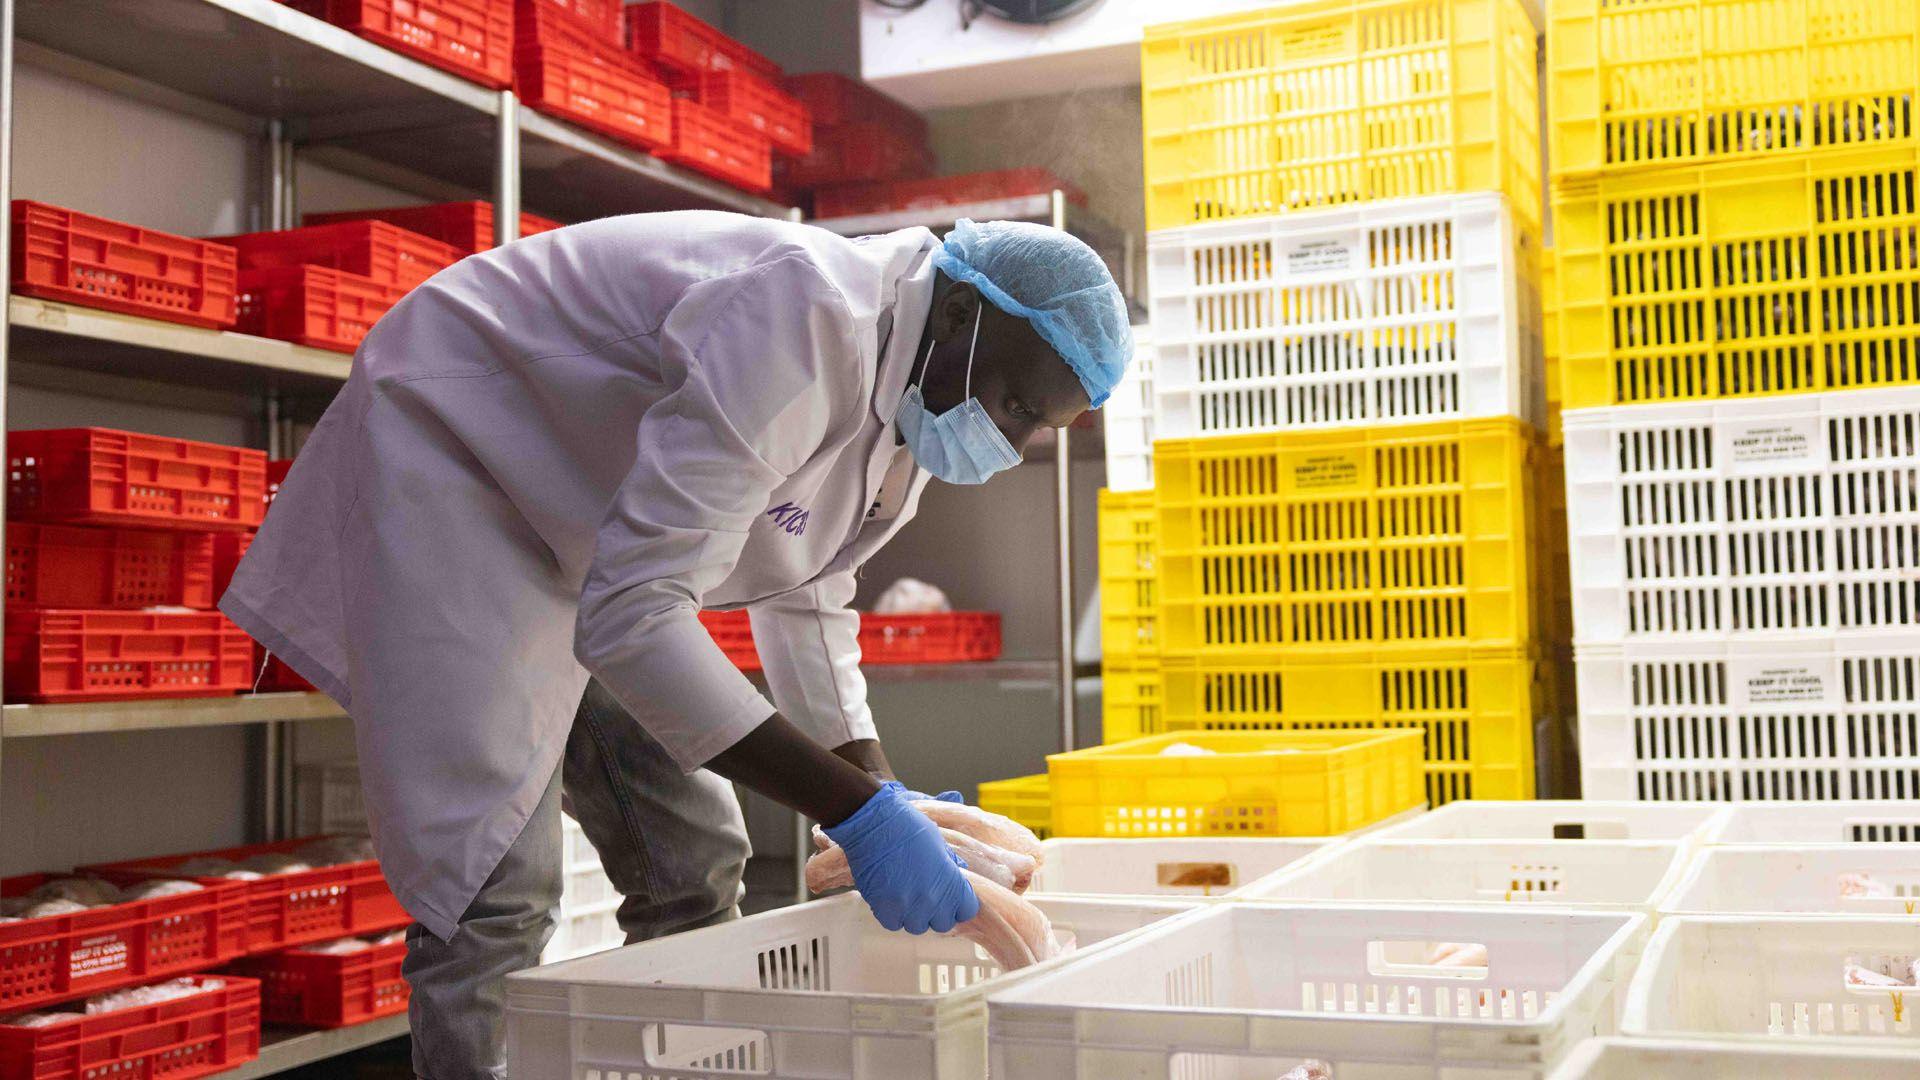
pixel 553 454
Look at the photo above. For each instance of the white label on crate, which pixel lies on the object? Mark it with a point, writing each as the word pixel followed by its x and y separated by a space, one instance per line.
pixel 1316 470
pixel 98 956
pixel 1778 681
pixel 1319 257
pixel 1797 439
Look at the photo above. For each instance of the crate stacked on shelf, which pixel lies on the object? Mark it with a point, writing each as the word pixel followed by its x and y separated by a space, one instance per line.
pixel 860 136
pixel 466 226
pixel 326 285
pixel 75 258
pixel 1346 504
pixel 945 637
pixel 471 38
pixel 1734 278
pixel 568 61
pixel 729 113
pixel 111 565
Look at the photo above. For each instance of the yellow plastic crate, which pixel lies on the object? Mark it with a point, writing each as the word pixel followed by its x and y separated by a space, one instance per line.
pixel 1550 345
pixel 1128 619
pixel 1024 799
pixel 1258 783
pixel 1307 544
pixel 1316 104
pixel 1477 709
pixel 1633 85
pixel 1129 700
pixel 1781 276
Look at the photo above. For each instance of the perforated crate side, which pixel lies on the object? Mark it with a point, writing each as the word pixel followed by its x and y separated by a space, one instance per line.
pixel 1129 619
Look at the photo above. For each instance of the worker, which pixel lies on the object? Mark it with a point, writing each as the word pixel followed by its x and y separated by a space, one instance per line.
pixel 548 459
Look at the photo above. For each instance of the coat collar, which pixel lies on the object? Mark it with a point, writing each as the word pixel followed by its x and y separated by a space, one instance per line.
pixel 912 303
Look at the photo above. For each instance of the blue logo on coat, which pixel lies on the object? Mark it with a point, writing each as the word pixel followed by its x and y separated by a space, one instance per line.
pixel 790 517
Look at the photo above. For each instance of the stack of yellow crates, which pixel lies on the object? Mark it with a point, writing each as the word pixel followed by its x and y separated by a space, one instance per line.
pixel 1348 524
pixel 1736 292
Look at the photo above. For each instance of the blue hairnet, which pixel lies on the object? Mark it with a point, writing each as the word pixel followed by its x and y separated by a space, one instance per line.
pixel 1053 281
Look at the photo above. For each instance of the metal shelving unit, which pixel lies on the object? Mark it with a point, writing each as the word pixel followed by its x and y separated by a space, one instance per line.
pixel 302 87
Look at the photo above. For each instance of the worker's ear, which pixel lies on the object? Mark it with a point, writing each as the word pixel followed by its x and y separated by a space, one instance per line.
pixel 954 314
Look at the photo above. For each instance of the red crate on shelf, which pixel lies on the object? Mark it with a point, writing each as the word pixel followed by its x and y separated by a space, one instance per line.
pixel 856 154
pixel 732 632
pixel 380 250
pixel 663 34
pixel 893 195
pixel 471 38
pixel 726 149
pixel 65 654
pixel 285 910
pixel 99 476
pixel 188 1037
pixel 75 258
pixel 311 305
pixel 91 566
pixel 761 105
pixel 600 19
pixel 88 952
pixel 228 550
pixel 468 225
pixel 321 990
pixel 943 638
pixel 835 99
pixel 560 72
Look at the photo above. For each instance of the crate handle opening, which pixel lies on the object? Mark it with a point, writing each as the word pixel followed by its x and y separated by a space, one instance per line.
pixel 1427 959
pixel 1891 974
pixel 1864 885
pixel 727 1051
pixel 1591 829
pixel 1202 875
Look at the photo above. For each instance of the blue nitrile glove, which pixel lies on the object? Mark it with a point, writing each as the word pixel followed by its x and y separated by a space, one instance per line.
pixel 945 796
pixel 902 867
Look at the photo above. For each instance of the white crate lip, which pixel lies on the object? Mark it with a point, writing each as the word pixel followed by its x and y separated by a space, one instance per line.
pixel 1762 953
pixel 1496 367
pixel 1622 1058
pixel 1796 879
pixel 639 987
pixel 1594 875
pixel 1823 557
pixel 1540 819
pixel 1866 821
pixel 1709 704
pixel 1081 1013
pixel 1091 867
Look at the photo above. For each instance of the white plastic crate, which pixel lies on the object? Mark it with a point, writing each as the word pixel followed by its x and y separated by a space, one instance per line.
pixel 1854 821
pixel 1774 979
pixel 1190 868
pixel 1247 992
pixel 816 991
pixel 1692 1059
pixel 1414 309
pixel 1559 819
pixel 1831 879
pixel 1633 875
pixel 1127 420
pixel 1746 519
pixel 1819 719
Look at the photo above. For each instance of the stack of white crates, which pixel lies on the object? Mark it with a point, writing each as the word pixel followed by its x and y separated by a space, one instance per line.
pixel 328 801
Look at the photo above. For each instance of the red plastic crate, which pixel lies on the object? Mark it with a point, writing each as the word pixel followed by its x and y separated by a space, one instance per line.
pixel 76 258
pixel 836 99
pixel 594 86
pixel 228 550
pixel 88 952
pixel 104 567
pixel 380 250
pixel 733 633
pixel 760 105
pixel 723 148
pixel 181 1039
pixel 664 34
pixel 319 990
pixel 471 38
pixel 288 909
pixel 99 476
pixel 64 654
pixel 855 154
pixel 598 18
pixel 468 226
pixel 891 195
pixel 929 639
pixel 311 305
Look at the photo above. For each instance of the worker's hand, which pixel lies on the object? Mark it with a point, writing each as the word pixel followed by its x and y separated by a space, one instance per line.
pixel 902 866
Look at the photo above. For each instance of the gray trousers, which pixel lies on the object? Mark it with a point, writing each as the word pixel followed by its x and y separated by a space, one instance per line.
pixel 673 844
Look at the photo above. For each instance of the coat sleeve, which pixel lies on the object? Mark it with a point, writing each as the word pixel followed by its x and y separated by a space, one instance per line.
pixel 757 374
pixel 809 646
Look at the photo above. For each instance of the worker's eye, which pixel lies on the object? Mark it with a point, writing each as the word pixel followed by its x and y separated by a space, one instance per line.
pixel 1019 409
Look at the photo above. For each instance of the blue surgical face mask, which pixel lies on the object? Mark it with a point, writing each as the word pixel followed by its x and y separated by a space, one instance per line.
pixel 961 445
